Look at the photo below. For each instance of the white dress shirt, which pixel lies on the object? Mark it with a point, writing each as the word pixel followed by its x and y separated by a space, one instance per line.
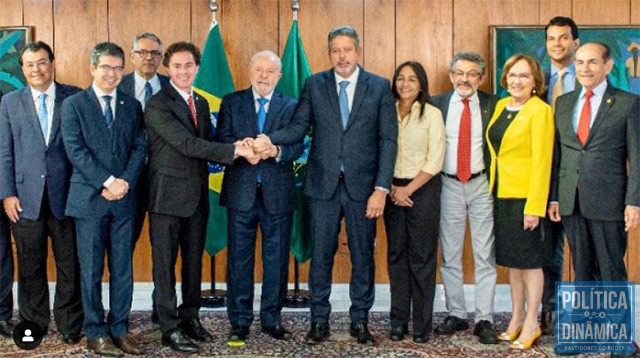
pixel 140 82
pixel 452 130
pixel 99 93
pixel 351 88
pixel 596 100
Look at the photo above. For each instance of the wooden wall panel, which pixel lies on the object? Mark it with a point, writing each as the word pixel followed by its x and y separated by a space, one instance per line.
pixel 79 25
pixel 39 13
pixel 142 16
pixel 11 14
pixel 378 37
pixel 635 12
pixel 598 12
pixel 551 8
pixel 419 24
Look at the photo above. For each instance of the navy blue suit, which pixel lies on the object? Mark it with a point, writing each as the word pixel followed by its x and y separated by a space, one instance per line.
pixel 6 265
pixel 128 86
pixel 38 174
pixel 269 203
pixel 96 153
pixel 345 165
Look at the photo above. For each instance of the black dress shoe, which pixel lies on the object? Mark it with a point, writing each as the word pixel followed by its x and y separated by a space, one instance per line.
pixel 421 338
pixel 104 347
pixel 239 333
pixel 451 325
pixel 193 328
pixel 318 333
pixel 277 332
pixel 361 332
pixel 546 323
pixel 484 330
pixel 71 338
pixel 6 328
pixel 397 332
pixel 178 342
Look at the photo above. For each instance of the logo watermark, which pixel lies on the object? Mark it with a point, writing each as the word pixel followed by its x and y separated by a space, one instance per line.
pixel 595 317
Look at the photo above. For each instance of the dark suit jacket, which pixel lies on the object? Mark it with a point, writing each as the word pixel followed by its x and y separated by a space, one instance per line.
pixel 487 106
pixel 96 154
pixel 27 162
pixel 128 83
pixel 367 146
pixel 237 120
pixel 600 166
pixel 178 154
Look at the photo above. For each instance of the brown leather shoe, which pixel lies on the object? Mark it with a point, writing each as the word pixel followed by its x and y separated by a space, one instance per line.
pixel 104 347
pixel 547 323
pixel 128 344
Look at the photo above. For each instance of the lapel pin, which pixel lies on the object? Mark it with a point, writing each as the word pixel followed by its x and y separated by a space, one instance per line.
pixel 121 102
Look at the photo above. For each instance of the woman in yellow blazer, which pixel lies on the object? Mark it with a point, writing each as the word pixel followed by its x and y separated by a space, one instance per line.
pixel 520 139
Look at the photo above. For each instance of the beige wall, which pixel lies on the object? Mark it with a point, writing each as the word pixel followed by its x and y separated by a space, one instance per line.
pixel 391 31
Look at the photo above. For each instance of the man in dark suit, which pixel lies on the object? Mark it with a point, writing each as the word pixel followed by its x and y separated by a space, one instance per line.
pixel 258 193
pixel 6 274
pixel 561 38
pixel 34 184
pixel 142 83
pixel 355 130
pixel 180 144
pixel 104 138
pixel 466 112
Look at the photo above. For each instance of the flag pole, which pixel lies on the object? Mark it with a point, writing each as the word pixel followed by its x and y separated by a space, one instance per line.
pixel 296 298
pixel 213 298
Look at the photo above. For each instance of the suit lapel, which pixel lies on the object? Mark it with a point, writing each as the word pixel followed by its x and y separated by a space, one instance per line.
pixel 95 107
pixel 358 96
pixel 566 125
pixel 607 101
pixel 445 106
pixel 182 110
pixel 31 114
pixel 249 113
pixel 275 107
pixel 57 109
pixel 332 96
pixel 484 110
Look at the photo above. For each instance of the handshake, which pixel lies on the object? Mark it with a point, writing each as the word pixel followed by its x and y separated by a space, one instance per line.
pixel 256 149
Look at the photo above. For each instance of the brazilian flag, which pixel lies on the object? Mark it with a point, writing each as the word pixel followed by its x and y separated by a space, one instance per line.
pixel 213 81
pixel 295 70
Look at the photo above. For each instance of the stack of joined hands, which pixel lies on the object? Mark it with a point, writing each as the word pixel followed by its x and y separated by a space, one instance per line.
pixel 256 149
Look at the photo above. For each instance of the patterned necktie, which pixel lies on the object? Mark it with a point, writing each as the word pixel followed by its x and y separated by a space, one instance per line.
pixel 344 103
pixel 262 113
pixel 108 114
pixel 558 88
pixel 192 108
pixel 43 115
pixel 585 118
pixel 464 144
pixel 148 92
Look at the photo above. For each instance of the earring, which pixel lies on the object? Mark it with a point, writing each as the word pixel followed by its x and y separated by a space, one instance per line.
pixel 534 91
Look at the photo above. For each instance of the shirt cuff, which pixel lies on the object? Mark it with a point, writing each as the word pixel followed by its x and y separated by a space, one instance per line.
pixel 109 181
pixel 384 190
pixel 279 156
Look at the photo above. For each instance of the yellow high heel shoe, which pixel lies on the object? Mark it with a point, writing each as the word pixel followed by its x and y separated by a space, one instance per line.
pixel 508 337
pixel 526 345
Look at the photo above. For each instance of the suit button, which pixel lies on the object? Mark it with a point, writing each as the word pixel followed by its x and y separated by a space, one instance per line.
pixel 582 151
pixel 42 176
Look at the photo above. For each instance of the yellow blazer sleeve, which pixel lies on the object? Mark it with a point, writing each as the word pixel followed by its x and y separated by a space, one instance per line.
pixel 542 137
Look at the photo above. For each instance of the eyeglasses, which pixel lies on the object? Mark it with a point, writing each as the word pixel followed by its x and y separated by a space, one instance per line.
pixel 107 68
pixel 470 74
pixel 145 53
pixel 32 65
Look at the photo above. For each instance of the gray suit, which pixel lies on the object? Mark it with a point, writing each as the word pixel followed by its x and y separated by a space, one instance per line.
pixel 472 199
pixel 591 184
pixel 345 165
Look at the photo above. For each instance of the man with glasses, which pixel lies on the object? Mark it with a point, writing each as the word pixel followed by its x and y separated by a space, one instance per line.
pixel 142 83
pixel 104 138
pixel 34 183
pixel 466 112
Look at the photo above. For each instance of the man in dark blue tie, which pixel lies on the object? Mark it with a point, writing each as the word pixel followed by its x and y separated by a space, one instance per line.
pixel 103 135
pixel 355 130
pixel 34 183
pixel 258 192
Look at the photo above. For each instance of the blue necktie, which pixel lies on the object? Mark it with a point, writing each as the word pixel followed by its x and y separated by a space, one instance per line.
pixel 108 114
pixel 147 92
pixel 43 115
pixel 344 103
pixel 262 113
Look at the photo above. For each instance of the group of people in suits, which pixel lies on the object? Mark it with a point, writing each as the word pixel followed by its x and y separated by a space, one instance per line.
pixel 85 166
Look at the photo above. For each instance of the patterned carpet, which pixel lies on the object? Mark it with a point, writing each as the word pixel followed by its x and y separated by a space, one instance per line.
pixel 340 344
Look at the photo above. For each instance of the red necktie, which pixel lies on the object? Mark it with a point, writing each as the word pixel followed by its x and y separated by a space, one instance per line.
pixel 464 144
pixel 192 108
pixel 585 119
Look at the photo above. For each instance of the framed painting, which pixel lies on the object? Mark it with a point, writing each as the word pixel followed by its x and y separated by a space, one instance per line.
pixel 12 41
pixel 624 42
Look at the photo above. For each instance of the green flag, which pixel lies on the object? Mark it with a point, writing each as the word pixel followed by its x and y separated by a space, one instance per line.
pixel 295 70
pixel 213 81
